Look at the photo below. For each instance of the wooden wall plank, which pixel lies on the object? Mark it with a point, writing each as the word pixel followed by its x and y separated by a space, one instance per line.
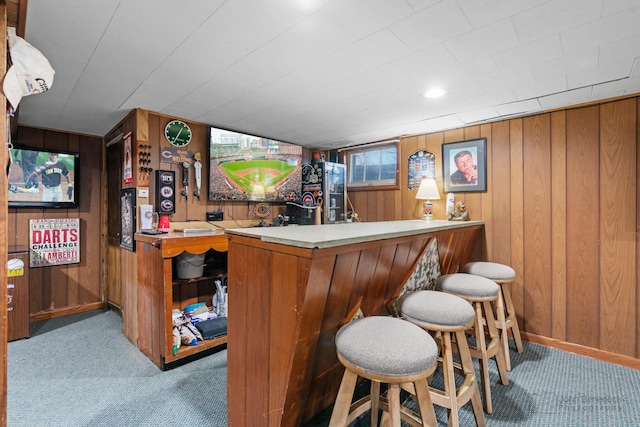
pixel 537 230
pixel 282 332
pixel 410 206
pixel 637 226
pixel 497 203
pixel 517 187
pixel 582 226
pixel 617 226
pixel 568 280
pixel 559 225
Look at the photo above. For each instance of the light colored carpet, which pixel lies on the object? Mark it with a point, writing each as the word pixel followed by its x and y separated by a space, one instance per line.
pixel 81 371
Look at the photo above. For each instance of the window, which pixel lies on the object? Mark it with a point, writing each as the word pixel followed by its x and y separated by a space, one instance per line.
pixel 372 167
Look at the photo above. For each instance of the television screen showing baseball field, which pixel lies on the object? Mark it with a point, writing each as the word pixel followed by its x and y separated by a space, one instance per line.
pixel 250 168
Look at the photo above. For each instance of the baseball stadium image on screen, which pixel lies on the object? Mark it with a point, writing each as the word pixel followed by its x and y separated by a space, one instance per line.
pixel 43 178
pixel 250 168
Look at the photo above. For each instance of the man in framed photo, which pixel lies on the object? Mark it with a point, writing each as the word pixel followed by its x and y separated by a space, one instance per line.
pixel 467 170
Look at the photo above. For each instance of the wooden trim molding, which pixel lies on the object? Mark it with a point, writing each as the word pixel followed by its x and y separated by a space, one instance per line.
pixel 594 353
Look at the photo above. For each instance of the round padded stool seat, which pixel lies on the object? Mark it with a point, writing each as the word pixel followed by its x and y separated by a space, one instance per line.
pixel 490 270
pixel 430 309
pixel 385 350
pixel 468 285
pixel 386 346
pixel 448 316
pixel 506 319
pixel 481 293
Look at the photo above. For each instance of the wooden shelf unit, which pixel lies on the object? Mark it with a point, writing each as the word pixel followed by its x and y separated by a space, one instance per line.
pixel 159 292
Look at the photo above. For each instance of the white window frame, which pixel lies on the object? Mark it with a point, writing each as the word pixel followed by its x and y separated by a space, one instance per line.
pixel 349 155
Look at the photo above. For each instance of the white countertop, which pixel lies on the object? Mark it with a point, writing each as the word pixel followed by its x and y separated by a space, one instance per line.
pixel 330 235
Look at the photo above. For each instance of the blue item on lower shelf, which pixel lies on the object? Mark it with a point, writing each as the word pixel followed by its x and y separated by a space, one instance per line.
pixel 212 328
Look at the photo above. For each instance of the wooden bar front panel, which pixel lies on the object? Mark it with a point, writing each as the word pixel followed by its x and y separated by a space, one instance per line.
pixel 286 305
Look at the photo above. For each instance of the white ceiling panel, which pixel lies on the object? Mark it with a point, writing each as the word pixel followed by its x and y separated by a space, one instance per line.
pixel 484 12
pixel 553 17
pixel 528 54
pixel 438 23
pixel 593 76
pixel 603 31
pixel 568 98
pixel 364 17
pixel 484 41
pixel 523 107
pixel 327 73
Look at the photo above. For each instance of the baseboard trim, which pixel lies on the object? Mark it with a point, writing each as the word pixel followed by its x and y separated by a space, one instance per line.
pixel 46 315
pixel 594 353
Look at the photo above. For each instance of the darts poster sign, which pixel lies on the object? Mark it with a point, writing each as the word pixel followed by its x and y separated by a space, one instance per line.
pixel 54 241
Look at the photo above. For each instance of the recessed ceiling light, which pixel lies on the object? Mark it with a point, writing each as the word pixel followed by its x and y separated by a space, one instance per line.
pixel 435 92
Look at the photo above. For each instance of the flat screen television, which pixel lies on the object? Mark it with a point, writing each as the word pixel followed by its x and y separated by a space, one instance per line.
pixel 42 178
pixel 250 168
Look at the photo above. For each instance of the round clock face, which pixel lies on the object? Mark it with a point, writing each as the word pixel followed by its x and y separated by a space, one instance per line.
pixel 177 133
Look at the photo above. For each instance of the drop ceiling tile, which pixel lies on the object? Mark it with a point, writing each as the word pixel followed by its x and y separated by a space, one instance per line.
pixel 312 39
pixel 621 87
pixel 484 12
pixel 620 50
pixel 537 51
pixel 585 60
pixel 497 97
pixel 555 16
pixel 522 107
pixel 450 121
pixel 541 87
pixel 506 80
pixel 427 61
pixel 484 41
pixel 635 71
pixel 470 71
pixel 364 17
pixel 568 98
pixel 474 116
pixel 599 75
pixel 435 24
pixel 610 7
pixel 606 30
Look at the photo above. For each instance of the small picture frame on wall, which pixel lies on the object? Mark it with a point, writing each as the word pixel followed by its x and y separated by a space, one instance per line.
pixel 464 166
pixel 127 218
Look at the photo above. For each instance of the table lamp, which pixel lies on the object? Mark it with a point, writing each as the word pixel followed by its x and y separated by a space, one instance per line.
pixel 427 191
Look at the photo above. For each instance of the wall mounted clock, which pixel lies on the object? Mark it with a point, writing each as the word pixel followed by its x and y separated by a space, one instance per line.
pixel 178 133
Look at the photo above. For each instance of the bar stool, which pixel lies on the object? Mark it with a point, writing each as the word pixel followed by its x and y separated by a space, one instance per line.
pixel 384 350
pixel 481 293
pixel 506 319
pixel 448 316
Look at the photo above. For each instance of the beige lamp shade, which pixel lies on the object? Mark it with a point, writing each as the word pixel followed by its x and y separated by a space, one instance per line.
pixel 428 190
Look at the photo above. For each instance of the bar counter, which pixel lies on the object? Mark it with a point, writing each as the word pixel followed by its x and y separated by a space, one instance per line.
pixel 292 288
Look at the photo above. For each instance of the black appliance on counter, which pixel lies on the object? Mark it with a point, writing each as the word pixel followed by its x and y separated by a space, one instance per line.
pixel 300 213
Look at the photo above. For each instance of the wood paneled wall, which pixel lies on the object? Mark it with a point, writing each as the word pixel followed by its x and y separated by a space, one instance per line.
pixel 66 289
pixel 561 209
pixel 148 128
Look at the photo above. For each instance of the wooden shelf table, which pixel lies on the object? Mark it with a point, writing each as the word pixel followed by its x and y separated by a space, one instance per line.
pixel 156 288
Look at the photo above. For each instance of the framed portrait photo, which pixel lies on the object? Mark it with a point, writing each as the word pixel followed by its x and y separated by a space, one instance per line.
pixel 464 166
